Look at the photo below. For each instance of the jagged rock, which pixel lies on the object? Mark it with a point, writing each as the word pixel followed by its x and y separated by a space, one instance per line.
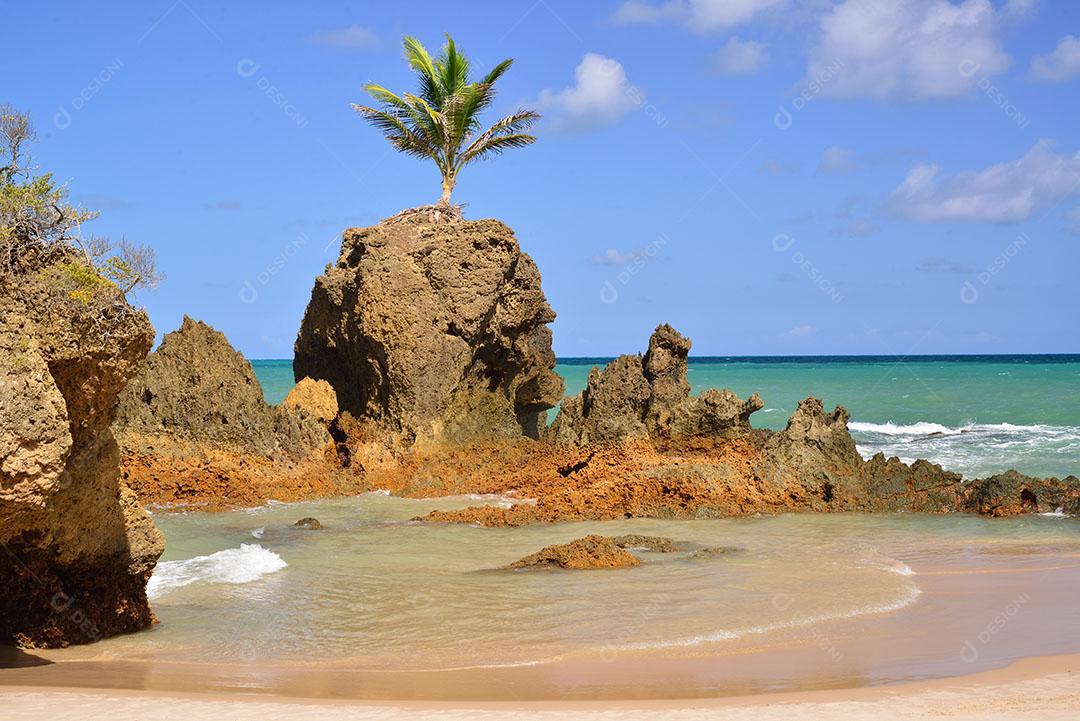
pixel 1012 493
pixel 309 523
pixel 815 450
pixel 656 544
pixel 316 397
pixel 197 389
pixel 78 548
pixel 641 397
pixel 195 429
pixel 583 553
pixel 434 331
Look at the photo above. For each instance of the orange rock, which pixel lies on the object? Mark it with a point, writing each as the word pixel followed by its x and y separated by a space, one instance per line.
pixel 317 397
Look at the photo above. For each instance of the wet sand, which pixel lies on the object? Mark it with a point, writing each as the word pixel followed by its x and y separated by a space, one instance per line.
pixel 1039 688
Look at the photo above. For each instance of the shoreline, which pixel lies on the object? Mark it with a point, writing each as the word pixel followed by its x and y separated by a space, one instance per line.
pixel 1045 687
pixel 969 619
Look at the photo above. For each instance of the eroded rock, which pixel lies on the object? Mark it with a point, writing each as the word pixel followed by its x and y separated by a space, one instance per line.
pixel 433 331
pixel 590 552
pixel 195 430
pixel 648 396
pixel 316 397
pixel 1012 493
pixel 78 548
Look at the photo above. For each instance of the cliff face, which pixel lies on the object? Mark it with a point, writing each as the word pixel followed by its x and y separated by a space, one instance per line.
pixel 433 331
pixel 78 548
pixel 195 429
pixel 647 396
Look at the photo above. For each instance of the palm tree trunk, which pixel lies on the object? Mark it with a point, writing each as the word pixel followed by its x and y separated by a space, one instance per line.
pixel 447 188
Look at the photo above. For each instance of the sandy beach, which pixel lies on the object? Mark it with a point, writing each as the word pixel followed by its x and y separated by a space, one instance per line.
pixel 1038 688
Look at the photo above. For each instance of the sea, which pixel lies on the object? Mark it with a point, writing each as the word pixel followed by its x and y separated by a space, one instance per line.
pixel 976 415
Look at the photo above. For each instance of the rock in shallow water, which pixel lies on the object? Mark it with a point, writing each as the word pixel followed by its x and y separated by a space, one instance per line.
pixel 656 544
pixel 311 524
pixel 590 552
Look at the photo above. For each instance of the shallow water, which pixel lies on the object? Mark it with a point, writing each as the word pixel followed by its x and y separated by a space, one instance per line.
pixel 374 591
pixel 974 415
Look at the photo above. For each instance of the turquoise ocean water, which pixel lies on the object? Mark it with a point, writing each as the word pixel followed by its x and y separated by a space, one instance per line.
pixel 974 414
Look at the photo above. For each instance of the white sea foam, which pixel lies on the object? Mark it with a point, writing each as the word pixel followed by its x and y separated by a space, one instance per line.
pixel 234 565
pixel 921 428
pixel 258 532
pixel 381 492
pixel 973 449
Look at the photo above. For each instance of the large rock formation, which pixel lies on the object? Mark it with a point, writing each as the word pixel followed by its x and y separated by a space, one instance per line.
pixel 195 429
pixel 433 330
pixel 647 396
pixel 635 444
pixel 77 547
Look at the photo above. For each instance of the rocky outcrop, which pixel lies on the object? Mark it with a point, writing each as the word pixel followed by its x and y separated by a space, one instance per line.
pixel 1012 493
pixel 77 547
pixel 195 430
pixel 590 552
pixel 635 444
pixel 316 397
pixel 433 331
pixel 648 396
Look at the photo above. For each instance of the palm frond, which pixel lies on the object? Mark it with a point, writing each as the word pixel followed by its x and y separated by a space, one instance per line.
pixel 497 72
pixel 495 146
pixel 400 135
pixel 385 96
pixel 453 68
pixel 419 59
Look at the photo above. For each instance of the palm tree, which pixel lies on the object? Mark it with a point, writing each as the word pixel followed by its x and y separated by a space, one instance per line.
pixel 441 122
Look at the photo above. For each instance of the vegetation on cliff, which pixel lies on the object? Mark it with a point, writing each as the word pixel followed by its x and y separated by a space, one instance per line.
pixel 40 227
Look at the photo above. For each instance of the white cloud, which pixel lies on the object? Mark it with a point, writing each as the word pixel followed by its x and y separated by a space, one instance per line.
pixel 600 95
pixel 907 49
pixel 802 331
pixel 1003 193
pixel 739 57
pixel 1062 64
pixel 700 15
pixel 860 228
pixel 355 37
pixel 837 161
pixel 617 257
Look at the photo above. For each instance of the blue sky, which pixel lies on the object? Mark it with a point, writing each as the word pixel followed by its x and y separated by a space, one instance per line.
pixel 770 177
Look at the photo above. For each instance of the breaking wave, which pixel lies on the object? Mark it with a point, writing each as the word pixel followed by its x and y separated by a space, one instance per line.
pixel 234 565
pixel 973 449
